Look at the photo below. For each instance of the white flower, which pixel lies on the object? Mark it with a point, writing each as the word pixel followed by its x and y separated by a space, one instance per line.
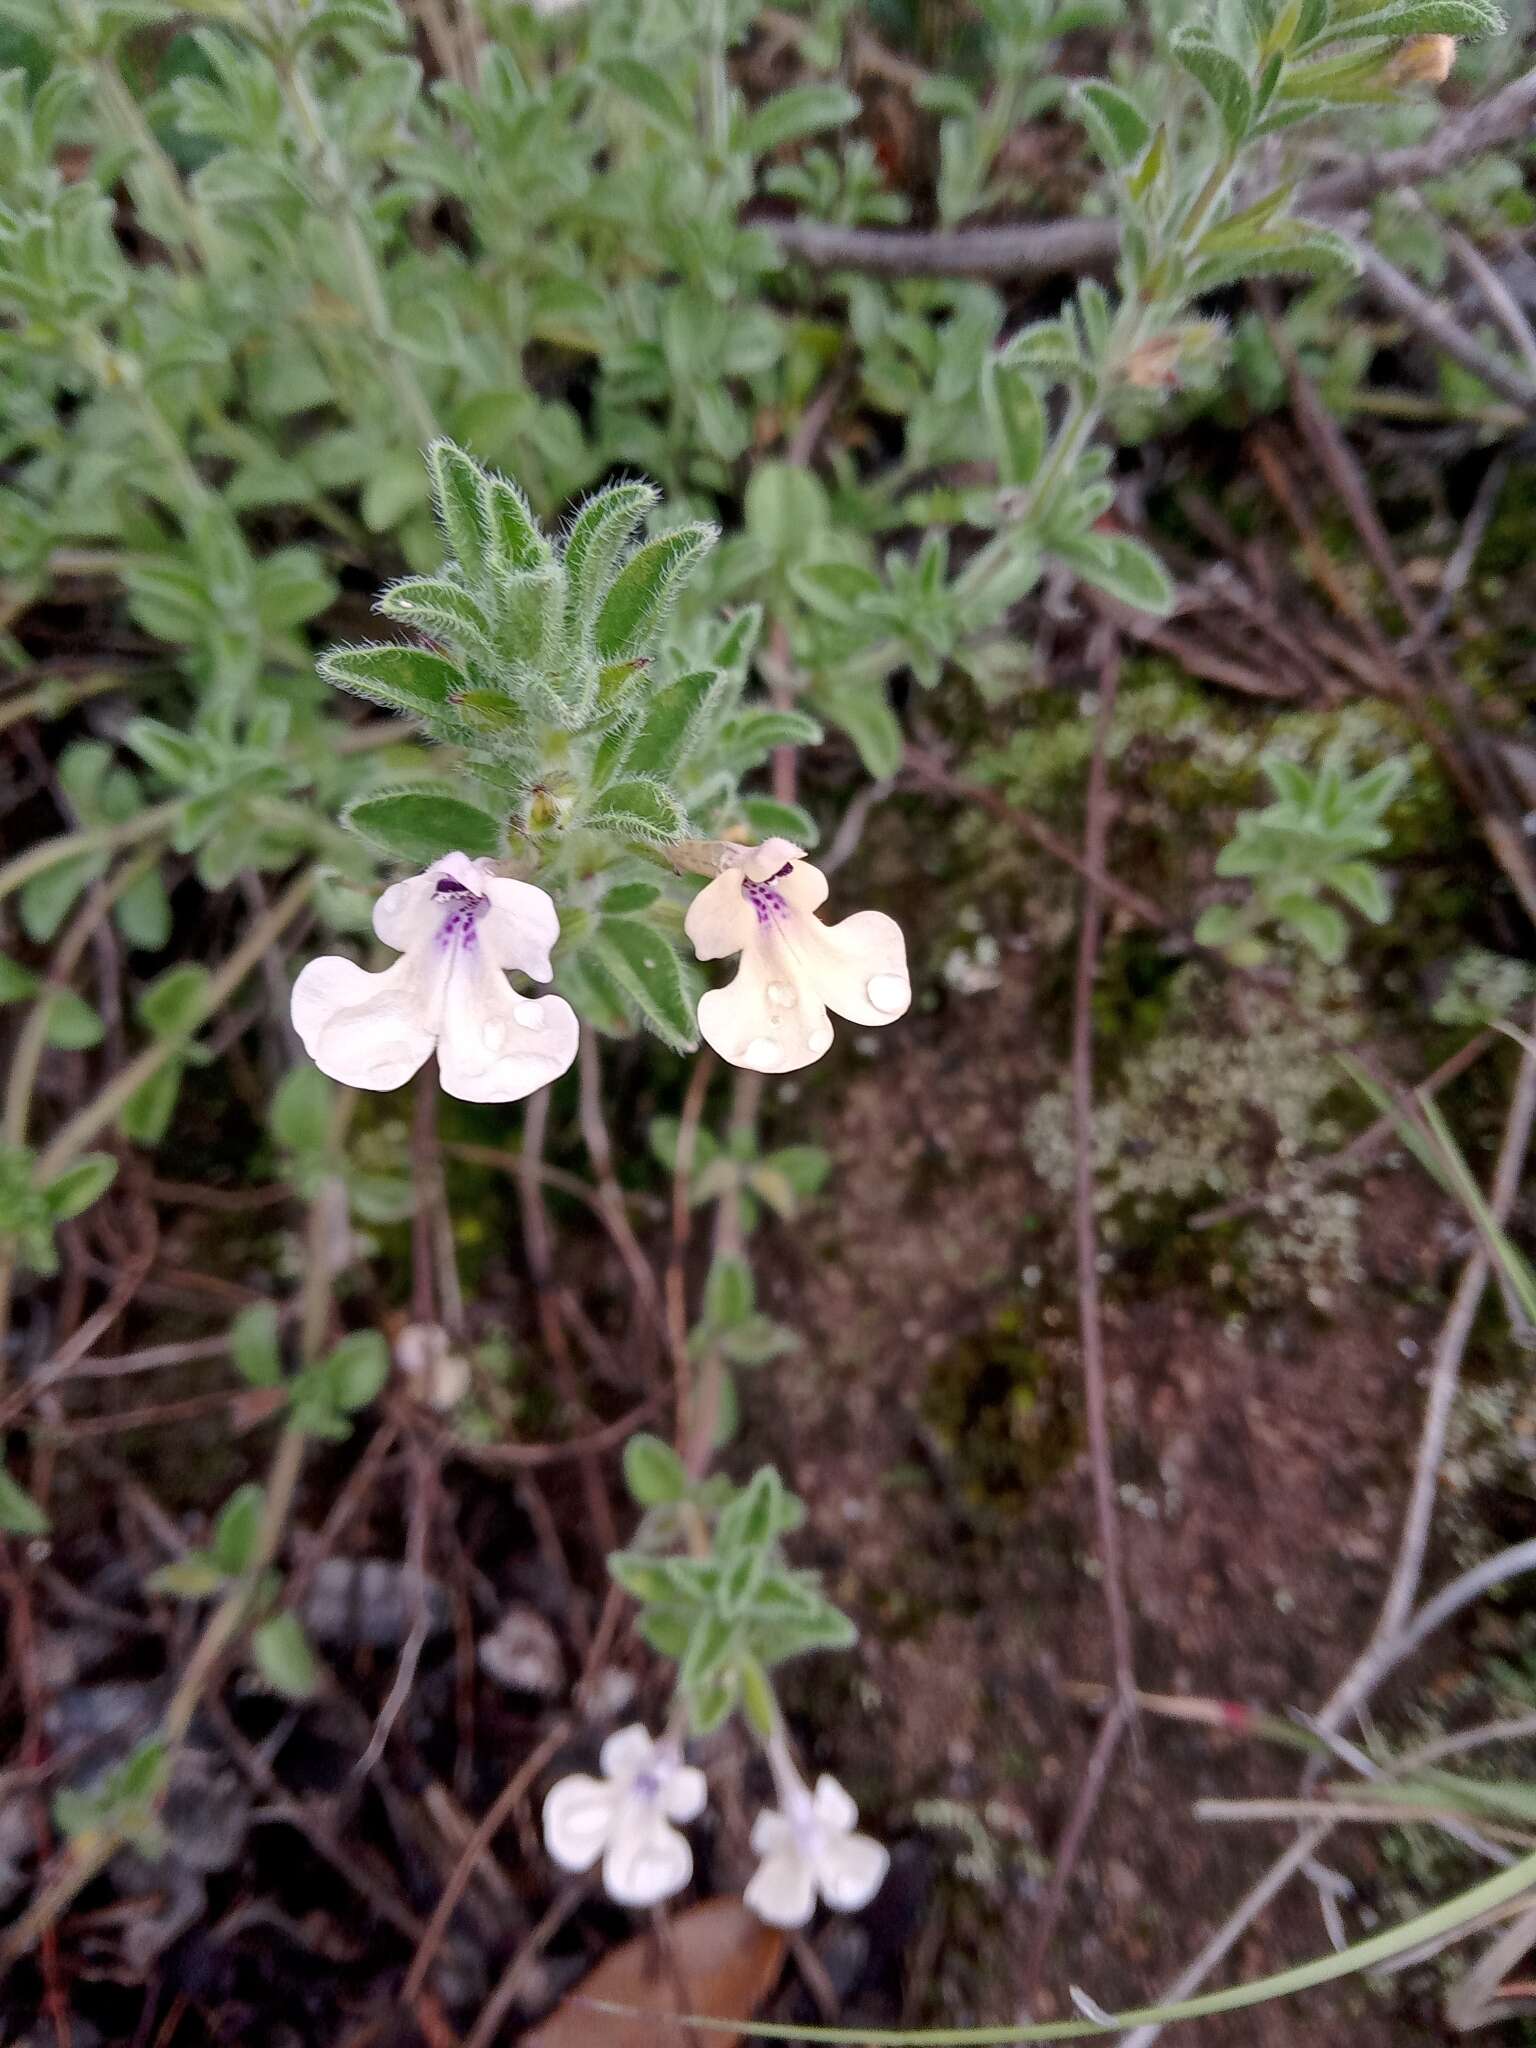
pixel 458 928
pixel 438 1374
pixel 773 1017
pixel 625 1817
pixel 808 1845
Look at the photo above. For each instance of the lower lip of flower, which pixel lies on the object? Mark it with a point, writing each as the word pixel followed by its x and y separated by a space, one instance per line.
pixel 765 900
pixel 462 912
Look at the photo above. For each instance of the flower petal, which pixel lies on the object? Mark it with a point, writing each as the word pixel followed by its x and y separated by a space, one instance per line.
pixel 520 927
pixel 410 911
pixel 578 1820
pixel 858 967
pixel 403 915
pixel 804 888
pixel 850 1869
pixel 498 1046
pixel 770 1018
pixel 772 1833
pixel 684 1793
pixel 783 1890
pixel 626 1753
pixel 364 1030
pixel 833 1807
pixel 763 862
pixel 647 1859
pixel 720 920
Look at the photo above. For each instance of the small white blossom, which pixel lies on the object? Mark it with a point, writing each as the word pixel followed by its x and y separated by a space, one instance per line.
pixel 808 1845
pixel 458 928
pixel 794 968
pixel 439 1375
pixel 625 1817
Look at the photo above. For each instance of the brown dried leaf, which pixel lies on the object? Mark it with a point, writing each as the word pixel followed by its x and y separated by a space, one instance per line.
pixel 723 1961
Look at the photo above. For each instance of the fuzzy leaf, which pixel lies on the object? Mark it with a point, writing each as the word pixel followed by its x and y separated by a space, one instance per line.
pixel 1016 417
pixel 648 971
pixel 652 91
pixel 284 1658
pixel 671 726
pixel 253 1345
pixel 440 609
pixel 729 1293
pixel 864 712
pixel 646 588
pixel 234 1534
pixel 421 825
pixel 1119 129
pixel 1221 78
pixel 78 1186
pixel 1472 19
pixel 770 819
pixel 639 808
pixel 457 492
pixel 598 536
pixel 653 1472
pixel 1121 565
pixel 356 1369
pixel 516 537
pixel 1320 925
pixel 1364 886
pixel 802 110
pixel 407 679
pixel 20 1514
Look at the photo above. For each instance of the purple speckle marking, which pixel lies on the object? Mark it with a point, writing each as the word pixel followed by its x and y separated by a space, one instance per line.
pixel 647 1785
pixel 765 899
pixel 462 911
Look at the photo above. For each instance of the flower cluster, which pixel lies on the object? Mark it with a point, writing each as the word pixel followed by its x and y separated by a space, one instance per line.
pixel 460 928
pixel 627 1820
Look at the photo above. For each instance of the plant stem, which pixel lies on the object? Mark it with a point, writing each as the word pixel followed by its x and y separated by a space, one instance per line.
pixel 33 1037
pixel 93 839
pixel 89 1854
pixel 1438 1925
pixel 68 1143
pixel 366 280
pixel 53 698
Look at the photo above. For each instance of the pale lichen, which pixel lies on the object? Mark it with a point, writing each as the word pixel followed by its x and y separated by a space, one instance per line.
pixel 1226 1104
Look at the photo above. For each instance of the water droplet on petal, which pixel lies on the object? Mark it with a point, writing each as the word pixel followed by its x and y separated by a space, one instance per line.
pixel 889 992
pixel 530 1016
pixel 762 1052
pixel 781 995
pixel 819 1040
pixel 495 1034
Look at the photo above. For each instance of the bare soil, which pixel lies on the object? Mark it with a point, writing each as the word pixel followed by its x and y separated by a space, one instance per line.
pixel 1263 1462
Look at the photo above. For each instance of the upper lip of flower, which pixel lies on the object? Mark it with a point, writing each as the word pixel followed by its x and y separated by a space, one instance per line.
pixel 794 968
pixel 458 928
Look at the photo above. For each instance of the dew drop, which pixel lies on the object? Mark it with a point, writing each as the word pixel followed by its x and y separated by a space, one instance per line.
pixel 819 1040
pixel 495 1034
pixel 530 1016
pixel 888 992
pixel 781 995
pixel 762 1052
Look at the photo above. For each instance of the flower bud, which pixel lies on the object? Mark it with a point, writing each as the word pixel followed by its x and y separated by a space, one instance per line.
pixel 1422 60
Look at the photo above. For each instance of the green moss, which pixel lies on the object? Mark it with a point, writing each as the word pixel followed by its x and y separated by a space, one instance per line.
pixel 995 1403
